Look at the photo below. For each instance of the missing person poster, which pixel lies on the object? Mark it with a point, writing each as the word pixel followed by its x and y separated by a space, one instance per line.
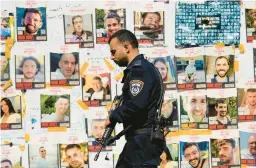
pixel 108 21
pixel 67 153
pixel 222 107
pixel 198 24
pixel 64 65
pixel 220 71
pixel 96 89
pixel 225 149
pixel 193 110
pixel 7 27
pixel 30 72
pixel 78 29
pixel 11 110
pixel 55 110
pixel 250 19
pixel 246 104
pixel 149 27
pixel 31 24
pixel 11 156
pixel 5 66
pixel 43 155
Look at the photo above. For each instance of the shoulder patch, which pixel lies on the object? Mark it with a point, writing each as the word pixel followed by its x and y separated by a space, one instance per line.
pixel 136 86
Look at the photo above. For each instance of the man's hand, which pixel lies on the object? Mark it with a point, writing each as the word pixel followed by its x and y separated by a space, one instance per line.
pixel 107 121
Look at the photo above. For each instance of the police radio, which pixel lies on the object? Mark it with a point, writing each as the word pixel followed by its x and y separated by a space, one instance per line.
pixel 157 131
pixel 106 138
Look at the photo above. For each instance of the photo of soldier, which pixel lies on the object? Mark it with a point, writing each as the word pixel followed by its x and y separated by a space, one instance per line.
pixel 170 156
pixel 246 104
pixel 55 110
pixel 74 155
pixel 149 27
pixel 191 72
pixel 5 68
pixel 79 30
pixel 64 69
pixel 225 152
pixel 222 113
pixel 220 72
pixel 248 148
pixel 108 22
pixel 30 72
pixel 96 89
pixel 31 24
pixel 43 156
pixel 11 157
pixel 166 68
pixel 193 112
pixel 250 19
pixel 7 27
pixel 194 154
pixel 11 113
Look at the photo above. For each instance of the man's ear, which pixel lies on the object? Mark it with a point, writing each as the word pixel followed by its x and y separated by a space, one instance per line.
pixel 127 48
pixel 40 24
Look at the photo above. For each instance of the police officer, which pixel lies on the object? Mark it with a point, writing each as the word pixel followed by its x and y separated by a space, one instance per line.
pixel 141 92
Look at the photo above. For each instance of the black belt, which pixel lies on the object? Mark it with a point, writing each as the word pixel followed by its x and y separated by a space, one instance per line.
pixel 141 131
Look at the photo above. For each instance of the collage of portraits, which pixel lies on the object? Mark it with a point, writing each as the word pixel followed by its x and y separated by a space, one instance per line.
pixel 58 81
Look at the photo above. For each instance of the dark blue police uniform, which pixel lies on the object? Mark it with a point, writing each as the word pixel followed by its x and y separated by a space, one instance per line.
pixel 141 93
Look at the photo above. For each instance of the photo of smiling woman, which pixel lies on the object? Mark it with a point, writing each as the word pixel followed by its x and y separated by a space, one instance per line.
pixel 165 66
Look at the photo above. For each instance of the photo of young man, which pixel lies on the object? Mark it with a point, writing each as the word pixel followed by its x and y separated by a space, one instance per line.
pixel 78 29
pixel 55 109
pixel 30 70
pixel 5 71
pixel 250 19
pixel 31 24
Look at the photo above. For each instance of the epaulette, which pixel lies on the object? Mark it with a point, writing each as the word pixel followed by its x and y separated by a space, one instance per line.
pixel 137 63
pixel 136 70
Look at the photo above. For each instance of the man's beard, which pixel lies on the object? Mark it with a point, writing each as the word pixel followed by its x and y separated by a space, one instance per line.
pixel 198 159
pixel 29 30
pixel 222 75
pixel 221 113
pixel 122 62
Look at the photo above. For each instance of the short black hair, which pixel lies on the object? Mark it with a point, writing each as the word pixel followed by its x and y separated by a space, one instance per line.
pixel 38 66
pixel 124 36
pixel 6 160
pixel 145 14
pixel 32 10
pixel 189 144
pixel 221 142
pixel 220 101
pixel 40 148
pixel 71 146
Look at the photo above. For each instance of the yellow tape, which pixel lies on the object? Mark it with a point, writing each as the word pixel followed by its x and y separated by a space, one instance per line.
pixel 8 47
pixel 27 137
pixel 119 76
pixel 11 23
pixel 220 45
pixel 47 85
pixel 195 132
pixel 67 87
pixel 7 84
pixel 236 66
pixel 82 105
pixel 241 48
pixel 24 104
pixel 22 147
pixel 243 166
pixel 83 68
pixel 109 65
pixel 57 129
pixel 174 133
pixel 6 142
pixel 234 48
